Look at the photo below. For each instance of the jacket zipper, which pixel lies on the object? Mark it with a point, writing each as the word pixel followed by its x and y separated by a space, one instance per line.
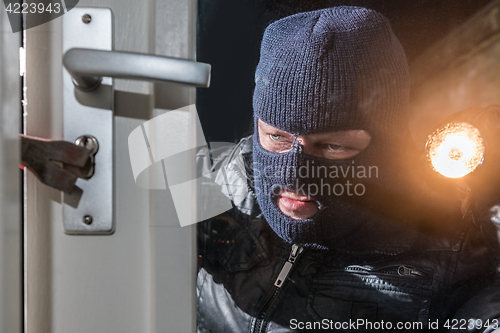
pixel 285 270
pixel 400 270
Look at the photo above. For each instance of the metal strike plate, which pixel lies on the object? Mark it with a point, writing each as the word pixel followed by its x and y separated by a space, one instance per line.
pixel 90 210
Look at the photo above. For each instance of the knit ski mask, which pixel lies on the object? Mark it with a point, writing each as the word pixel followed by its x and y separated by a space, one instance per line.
pixel 334 69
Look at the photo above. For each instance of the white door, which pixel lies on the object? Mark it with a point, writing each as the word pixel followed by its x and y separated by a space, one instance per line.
pixel 141 278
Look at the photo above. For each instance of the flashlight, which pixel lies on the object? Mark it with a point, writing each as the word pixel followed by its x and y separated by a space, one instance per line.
pixel 464 156
pixel 455 149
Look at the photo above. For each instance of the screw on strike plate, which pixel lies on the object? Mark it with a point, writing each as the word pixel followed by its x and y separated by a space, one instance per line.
pixel 86 18
pixel 87 219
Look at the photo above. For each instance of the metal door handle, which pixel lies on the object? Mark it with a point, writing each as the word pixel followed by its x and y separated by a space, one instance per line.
pixel 87 67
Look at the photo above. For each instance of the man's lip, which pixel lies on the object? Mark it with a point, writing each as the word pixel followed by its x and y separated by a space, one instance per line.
pixel 297 205
pixel 295 196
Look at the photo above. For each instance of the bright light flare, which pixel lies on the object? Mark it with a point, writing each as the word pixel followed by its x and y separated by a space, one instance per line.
pixel 455 149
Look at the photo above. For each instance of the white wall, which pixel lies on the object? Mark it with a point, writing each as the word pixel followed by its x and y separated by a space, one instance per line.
pixel 10 180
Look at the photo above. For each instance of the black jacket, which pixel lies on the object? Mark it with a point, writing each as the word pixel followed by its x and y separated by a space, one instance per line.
pixel 251 281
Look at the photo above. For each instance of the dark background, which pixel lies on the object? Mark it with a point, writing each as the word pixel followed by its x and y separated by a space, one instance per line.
pixel 229 34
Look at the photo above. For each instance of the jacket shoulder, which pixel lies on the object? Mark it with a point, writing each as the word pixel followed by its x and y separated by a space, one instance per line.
pixel 231 170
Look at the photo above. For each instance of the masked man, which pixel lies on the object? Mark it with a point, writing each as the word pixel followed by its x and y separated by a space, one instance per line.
pixel 330 235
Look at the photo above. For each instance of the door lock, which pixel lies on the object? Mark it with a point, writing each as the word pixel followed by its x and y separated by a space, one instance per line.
pixel 92 145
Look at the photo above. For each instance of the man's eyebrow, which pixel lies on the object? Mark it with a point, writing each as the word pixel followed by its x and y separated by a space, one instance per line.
pixel 267 127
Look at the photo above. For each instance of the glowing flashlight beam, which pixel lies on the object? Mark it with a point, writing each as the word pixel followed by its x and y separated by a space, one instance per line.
pixel 455 149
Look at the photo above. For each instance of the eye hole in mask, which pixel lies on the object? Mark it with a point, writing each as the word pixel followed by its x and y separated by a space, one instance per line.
pixel 334 145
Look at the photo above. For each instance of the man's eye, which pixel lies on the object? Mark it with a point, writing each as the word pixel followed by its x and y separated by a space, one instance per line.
pixel 275 137
pixel 335 147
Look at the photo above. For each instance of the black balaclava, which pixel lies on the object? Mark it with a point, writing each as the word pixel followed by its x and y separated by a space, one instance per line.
pixel 333 69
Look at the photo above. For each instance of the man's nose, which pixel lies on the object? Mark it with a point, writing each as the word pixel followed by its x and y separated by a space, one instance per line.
pixel 297 143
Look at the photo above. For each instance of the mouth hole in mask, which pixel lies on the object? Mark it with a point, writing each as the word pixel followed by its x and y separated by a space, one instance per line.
pixel 295 205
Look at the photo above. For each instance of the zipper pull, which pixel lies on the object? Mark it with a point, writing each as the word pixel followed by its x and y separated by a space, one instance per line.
pixel 403 270
pixel 296 250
